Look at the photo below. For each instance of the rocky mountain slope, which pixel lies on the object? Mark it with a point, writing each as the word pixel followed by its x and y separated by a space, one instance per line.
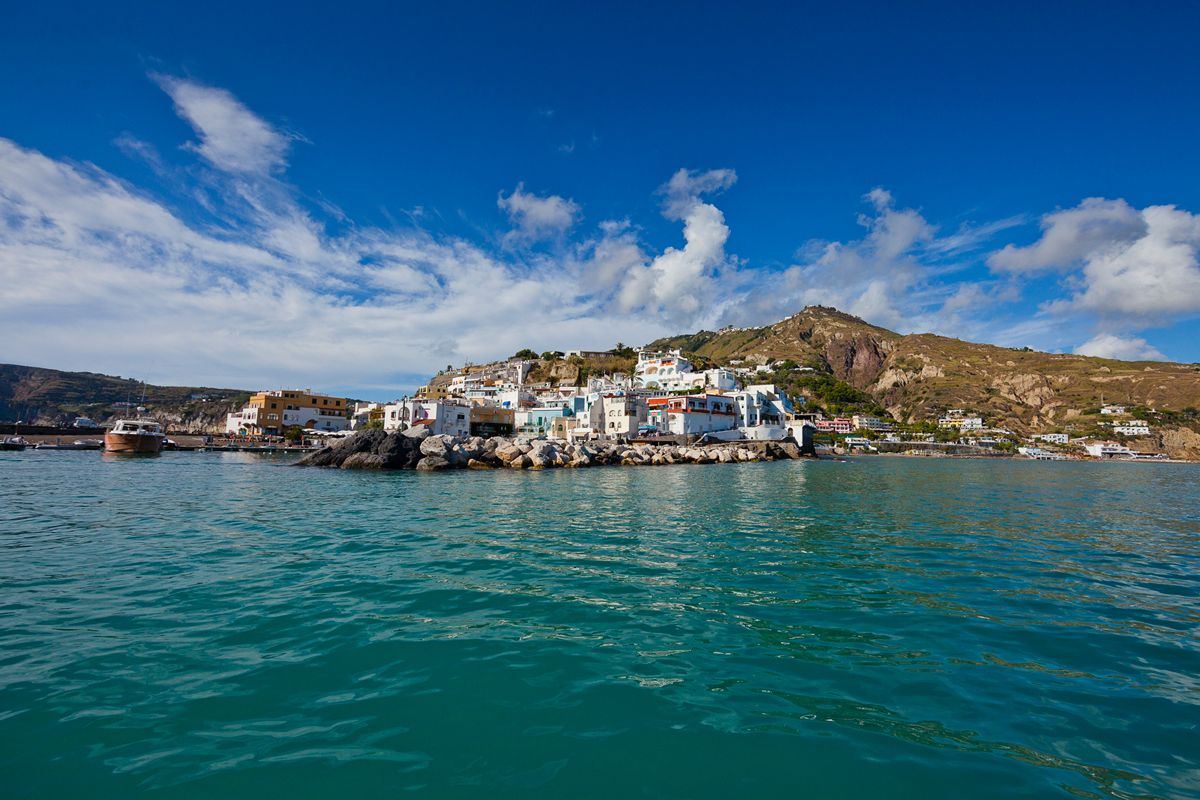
pixel 917 377
pixel 53 397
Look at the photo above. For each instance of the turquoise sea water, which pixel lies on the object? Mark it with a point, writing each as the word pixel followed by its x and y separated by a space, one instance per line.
pixel 223 625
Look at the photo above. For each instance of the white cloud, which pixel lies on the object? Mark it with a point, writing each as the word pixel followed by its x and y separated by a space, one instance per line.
pixel 1107 345
pixel 252 289
pixel 1094 227
pixel 685 284
pixel 265 295
pixel 1150 278
pixel 535 217
pixel 232 138
pixel 892 276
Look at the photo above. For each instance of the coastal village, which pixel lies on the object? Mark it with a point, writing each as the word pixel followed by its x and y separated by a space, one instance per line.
pixel 665 399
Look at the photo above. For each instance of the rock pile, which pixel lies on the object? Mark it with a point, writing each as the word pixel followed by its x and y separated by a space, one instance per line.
pixel 376 449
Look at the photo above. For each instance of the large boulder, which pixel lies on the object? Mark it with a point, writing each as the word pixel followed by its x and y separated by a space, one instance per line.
pixel 417 432
pixel 400 451
pixel 432 464
pixel 336 455
pixel 437 445
pixel 363 461
pixel 508 452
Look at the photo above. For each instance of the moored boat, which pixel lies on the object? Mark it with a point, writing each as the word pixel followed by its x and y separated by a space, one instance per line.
pixel 78 444
pixel 13 443
pixel 134 436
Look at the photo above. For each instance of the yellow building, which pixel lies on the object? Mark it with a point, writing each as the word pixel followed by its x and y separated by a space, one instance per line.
pixel 275 411
pixel 434 392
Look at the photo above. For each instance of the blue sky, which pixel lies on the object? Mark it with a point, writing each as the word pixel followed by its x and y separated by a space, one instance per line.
pixel 351 199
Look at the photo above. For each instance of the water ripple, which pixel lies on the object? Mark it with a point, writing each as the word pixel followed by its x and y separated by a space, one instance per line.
pixel 220 624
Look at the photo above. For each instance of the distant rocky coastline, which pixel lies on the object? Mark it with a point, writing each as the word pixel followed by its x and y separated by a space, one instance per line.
pixel 376 449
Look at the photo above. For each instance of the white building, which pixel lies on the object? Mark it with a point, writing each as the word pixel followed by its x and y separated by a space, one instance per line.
pixel 761 404
pixel 1108 450
pixel 863 422
pixel 616 415
pixel 1052 438
pixel 1132 428
pixel 693 414
pixel 446 416
pixel 672 372
pixel 1118 410
pixel 956 418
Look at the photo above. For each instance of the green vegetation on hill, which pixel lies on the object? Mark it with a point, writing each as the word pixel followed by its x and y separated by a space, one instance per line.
pixel 54 397
pixel 917 377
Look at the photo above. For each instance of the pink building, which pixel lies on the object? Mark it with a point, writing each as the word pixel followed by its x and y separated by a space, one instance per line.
pixel 835 425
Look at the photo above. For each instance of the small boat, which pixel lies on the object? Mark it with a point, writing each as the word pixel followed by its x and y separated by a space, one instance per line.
pixel 13 443
pixel 78 444
pixel 134 436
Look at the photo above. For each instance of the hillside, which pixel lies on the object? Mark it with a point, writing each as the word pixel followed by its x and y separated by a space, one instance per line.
pixel 50 397
pixel 917 377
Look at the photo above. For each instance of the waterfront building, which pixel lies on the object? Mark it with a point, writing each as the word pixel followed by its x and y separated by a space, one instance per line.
pixel 539 421
pixel 1108 450
pixel 693 414
pixel 490 420
pixel 447 416
pixel 616 415
pixel 761 404
pixel 273 412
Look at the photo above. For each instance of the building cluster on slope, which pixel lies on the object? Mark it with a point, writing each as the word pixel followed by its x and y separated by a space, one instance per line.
pixel 665 396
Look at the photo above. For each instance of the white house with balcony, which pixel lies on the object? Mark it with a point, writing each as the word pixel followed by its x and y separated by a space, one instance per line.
pixel 672 372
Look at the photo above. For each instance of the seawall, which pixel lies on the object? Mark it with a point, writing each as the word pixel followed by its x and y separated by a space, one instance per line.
pixel 379 450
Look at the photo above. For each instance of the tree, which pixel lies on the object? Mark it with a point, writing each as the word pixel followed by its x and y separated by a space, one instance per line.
pixel 294 434
pixel 375 425
pixel 551 355
pixel 524 354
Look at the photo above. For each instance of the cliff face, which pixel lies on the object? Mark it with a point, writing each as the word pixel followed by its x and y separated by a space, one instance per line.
pixel 917 377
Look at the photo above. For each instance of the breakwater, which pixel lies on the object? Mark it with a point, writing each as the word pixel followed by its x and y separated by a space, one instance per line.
pixel 377 449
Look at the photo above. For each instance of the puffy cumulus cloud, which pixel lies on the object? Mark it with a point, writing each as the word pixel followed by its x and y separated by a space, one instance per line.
pixel 1132 348
pixel 1124 269
pixel 1149 279
pixel 535 217
pixel 232 137
pixel 894 275
pixel 1094 227
pixel 689 283
pixel 261 292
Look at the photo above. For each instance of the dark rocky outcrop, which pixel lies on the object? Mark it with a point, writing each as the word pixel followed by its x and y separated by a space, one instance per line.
pixel 376 449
